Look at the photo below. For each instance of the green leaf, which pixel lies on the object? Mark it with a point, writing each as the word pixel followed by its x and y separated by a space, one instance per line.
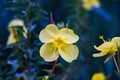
pixel 38 17
pixel 20 16
pixel 13 8
pixel 15 1
pixel 37 10
pixel 61 25
pixel 41 78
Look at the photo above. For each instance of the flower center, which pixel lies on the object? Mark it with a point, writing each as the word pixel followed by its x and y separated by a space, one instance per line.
pixel 58 41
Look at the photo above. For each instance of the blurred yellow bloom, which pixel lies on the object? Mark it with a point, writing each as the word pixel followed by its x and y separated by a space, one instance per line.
pixel 14 32
pixel 98 76
pixel 58 42
pixel 108 48
pixel 89 4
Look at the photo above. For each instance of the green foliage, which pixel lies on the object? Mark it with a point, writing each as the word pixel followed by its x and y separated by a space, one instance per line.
pixel 29 11
pixel 23 58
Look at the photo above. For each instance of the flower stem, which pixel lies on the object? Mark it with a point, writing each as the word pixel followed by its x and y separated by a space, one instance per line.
pixel 54 66
pixel 116 64
pixel 118 58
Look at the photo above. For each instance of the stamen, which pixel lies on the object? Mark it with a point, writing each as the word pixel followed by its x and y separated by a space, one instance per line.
pixel 102 38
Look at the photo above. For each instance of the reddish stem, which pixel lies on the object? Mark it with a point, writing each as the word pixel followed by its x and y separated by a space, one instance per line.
pixel 54 66
pixel 51 19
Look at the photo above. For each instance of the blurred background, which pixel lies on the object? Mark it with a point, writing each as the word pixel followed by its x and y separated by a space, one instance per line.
pixel 88 24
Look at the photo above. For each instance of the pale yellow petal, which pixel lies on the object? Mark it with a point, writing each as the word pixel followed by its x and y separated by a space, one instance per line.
pixel 95 3
pixel 49 33
pixel 103 53
pixel 104 46
pixel 16 22
pixel 45 37
pixel 68 52
pixel 52 29
pixel 116 41
pixel 49 52
pixel 87 6
pixel 11 39
pixel 68 35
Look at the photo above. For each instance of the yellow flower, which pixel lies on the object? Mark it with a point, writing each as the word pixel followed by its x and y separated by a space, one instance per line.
pixel 13 29
pixel 98 76
pixel 108 48
pixel 89 4
pixel 58 42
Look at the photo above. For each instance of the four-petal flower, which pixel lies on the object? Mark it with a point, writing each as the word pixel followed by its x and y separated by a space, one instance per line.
pixel 58 42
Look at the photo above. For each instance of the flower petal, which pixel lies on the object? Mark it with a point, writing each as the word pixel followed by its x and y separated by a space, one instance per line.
pixel 16 22
pixel 11 39
pixel 49 52
pixel 68 35
pixel 47 34
pixel 95 3
pixel 68 52
pixel 103 53
pixel 87 6
pixel 116 41
pixel 104 46
pixel 98 76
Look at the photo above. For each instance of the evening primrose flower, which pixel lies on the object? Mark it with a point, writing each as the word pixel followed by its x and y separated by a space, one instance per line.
pixel 98 76
pixel 16 29
pixel 108 48
pixel 58 42
pixel 89 4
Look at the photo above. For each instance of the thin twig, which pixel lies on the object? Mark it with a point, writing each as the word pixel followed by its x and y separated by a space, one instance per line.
pixel 118 58
pixel 54 66
pixel 116 64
